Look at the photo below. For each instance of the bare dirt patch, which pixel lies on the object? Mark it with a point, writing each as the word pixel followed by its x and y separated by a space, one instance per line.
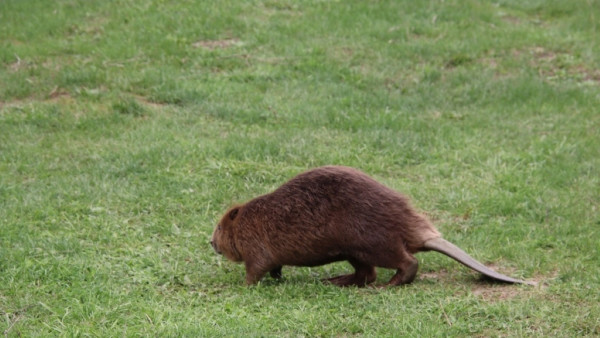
pixel 496 293
pixel 57 93
pixel 513 20
pixel 437 275
pixel 17 65
pixel 147 102
pixel 216 44
pixel 551 65
pixel 556 65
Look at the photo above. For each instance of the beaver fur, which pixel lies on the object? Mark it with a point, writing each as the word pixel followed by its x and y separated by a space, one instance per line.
pixel 331 214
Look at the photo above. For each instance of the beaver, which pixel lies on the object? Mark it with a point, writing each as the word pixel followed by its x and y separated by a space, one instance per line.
pixel 331 214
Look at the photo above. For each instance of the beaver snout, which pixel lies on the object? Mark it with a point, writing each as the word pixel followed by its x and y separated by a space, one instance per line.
pixel 214 245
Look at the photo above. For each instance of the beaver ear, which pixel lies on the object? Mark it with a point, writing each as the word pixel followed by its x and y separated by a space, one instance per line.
pixel 233 213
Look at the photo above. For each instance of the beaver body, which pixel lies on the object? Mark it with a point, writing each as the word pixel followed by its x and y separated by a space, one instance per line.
pixel 331 214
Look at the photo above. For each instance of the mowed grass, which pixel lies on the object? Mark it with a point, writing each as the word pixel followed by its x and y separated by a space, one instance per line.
pixel 128 127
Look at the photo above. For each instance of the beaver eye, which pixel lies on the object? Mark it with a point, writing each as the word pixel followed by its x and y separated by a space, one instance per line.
pixel 219 227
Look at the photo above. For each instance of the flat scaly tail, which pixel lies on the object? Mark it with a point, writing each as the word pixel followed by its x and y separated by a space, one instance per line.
pixel 443 246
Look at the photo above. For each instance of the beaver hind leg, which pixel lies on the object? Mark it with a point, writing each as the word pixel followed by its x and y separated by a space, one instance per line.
pixel 276 272
pixel 363 275
pixel 406 271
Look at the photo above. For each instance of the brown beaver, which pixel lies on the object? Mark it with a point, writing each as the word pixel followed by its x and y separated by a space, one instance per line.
pixel 331 214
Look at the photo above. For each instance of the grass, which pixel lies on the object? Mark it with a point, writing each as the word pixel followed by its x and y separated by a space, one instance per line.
pixel 128 127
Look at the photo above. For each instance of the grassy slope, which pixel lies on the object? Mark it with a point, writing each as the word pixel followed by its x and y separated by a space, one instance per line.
pixel 127 127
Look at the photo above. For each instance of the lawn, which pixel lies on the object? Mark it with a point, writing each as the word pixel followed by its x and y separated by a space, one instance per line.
pixel 128 127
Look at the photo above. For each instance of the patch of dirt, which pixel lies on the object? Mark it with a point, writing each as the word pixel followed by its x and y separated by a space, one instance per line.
pixel 587 74
pixel 496 293
pixel 11 104
pixel 57 93
pixel 558 65
pixel 490 62
pixel 146 102
pixel 542 53
pixel 440 274
pixel 542 281
pixel 551 65
pixel 216 44
pixel 17 65
pixel 511 19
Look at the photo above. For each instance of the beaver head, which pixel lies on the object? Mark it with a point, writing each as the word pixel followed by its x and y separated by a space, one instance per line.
pixel 223 238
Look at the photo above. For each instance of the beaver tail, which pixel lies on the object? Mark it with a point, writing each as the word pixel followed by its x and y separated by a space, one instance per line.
pixel 443 246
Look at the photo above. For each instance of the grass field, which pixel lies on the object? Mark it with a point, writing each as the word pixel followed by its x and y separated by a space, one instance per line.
pixel 128 127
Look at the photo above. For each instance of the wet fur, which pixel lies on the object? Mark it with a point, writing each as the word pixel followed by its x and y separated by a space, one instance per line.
pixel 326 215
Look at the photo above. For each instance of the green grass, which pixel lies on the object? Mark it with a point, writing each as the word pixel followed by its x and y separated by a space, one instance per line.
pixel 128 127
